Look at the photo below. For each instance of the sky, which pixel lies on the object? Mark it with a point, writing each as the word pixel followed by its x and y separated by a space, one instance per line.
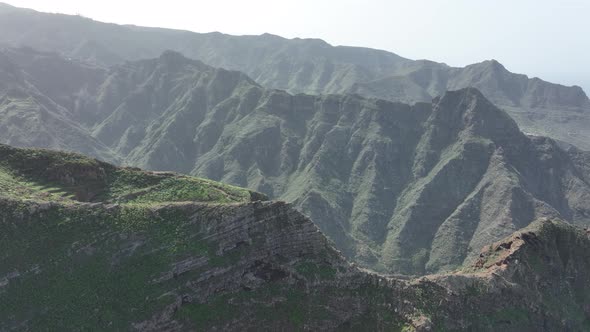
pixel 549 39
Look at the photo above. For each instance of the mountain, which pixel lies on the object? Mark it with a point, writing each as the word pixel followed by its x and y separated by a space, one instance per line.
pixel 311 66
pixel 33 114
pixel 410 189
pixel 87 245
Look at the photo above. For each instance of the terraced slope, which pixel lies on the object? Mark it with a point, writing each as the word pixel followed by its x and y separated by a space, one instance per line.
pixel 399 188
pixel 68 264
pixel 311 66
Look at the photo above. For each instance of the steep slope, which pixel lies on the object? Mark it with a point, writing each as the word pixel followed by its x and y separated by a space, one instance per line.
pixel 197 263
pixel 535 270
pixel 398 188
pixel 311 66
pixel 37 93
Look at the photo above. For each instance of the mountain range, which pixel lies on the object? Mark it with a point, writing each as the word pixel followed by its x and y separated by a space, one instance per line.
pixel 263 183
pixel 399 188
pixel 86 245
pixel 310 66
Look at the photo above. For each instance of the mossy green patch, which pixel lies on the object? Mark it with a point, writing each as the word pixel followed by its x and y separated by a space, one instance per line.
pixel 45 175
pixel 183 188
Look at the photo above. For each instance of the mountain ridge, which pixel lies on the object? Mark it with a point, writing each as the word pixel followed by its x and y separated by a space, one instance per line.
pixel 313 67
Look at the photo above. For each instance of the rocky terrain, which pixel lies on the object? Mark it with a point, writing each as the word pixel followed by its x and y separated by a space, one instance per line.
pixel 86 245
pixel 410 189
pixel 310 66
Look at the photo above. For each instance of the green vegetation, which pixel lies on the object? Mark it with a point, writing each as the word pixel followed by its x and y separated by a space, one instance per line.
pixel 94 268
pixel 515 318
pixel 45 175
pixel 217 310
pixel 183 188
pixel 74 271
pixel 13 187
pixel 313 270
pixel 72 265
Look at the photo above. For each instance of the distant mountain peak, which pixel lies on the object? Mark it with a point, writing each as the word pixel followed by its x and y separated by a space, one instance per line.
pixel 272 36
pixel 173 57
pixel 466 98
pixel 478 114
pixel 492 65
pixel 173 61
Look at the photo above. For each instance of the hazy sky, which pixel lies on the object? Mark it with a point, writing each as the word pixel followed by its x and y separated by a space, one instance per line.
pixel 545 38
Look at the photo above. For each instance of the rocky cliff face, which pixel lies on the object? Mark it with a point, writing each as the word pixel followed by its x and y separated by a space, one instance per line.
pixel 398 188
pixel 529 275
pixel 311 66
pixel 176 264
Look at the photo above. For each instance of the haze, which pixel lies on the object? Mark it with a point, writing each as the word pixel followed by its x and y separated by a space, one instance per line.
pixel 548 39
